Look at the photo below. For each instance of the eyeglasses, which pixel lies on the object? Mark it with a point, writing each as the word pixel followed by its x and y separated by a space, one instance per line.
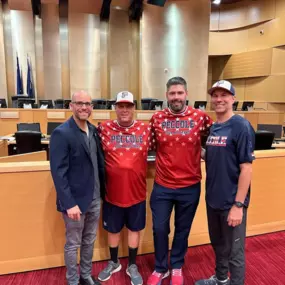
pixel 80 104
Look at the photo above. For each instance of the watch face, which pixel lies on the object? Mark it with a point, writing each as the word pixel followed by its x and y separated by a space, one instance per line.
pixel 239 204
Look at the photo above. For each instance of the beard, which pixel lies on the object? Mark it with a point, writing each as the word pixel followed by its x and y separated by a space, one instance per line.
pixel 177 105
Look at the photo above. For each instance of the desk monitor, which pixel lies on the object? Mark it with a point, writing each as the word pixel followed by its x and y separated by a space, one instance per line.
pixel 45 104
pixel 51 126
pixel 263 140
pixel 33 127
pixel 235 105
pixel 200 105
pixel 276 129
pixel 247 105
pixel 3 103
pixel 26 103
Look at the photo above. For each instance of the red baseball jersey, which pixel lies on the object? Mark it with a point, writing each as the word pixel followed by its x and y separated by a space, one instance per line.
pixel 125 152
pixel 178 146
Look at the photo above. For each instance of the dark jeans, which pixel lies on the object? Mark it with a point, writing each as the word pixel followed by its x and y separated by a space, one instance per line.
pixel 228 244
pixel 185 202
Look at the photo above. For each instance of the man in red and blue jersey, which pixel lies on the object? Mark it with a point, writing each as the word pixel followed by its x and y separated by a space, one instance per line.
pixel 229 156
pixel 177 132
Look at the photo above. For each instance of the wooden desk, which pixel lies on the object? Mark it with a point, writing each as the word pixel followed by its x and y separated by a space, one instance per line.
pixel 32 231
pixel 10 117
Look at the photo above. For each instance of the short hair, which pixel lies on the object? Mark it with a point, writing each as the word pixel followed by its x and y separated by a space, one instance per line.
pixel 79 92
pixel 176 81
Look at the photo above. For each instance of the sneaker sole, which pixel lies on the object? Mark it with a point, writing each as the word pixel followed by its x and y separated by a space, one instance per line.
pixel 114 271
pixel 166 274
pixel 131 279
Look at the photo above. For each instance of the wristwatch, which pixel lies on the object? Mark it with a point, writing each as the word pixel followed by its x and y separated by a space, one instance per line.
pixel 239 204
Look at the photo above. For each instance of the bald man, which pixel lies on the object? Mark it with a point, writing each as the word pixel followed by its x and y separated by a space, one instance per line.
pixel 77 167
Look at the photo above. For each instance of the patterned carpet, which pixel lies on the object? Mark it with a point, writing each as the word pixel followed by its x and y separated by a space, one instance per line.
pixel 265 257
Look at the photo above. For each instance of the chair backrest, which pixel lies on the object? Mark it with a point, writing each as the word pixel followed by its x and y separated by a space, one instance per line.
pixel 45 104
pixel 35 127
pixel 66 103
pixel 156 105
pixel 145 103
pixel 26 103
pixel 3 103
pixel 59 104
pixel 263 140
pixel 51 126
pixel 99 104
pixel 28 141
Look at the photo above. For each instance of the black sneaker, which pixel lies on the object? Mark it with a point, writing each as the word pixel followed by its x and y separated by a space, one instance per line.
pixel 213 281
pixel 90 281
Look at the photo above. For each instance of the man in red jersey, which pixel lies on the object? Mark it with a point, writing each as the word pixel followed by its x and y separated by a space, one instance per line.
pixel 125 144
pixel 178 130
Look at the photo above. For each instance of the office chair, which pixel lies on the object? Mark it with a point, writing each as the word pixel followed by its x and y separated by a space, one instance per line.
pixel 145 103
pixel 51 126
pixel 263 140
pixel 109 104
pixel 156 105
pixel 34 127
pixel 3 103
pixel 59 104
pixel 99 104
pixel 28 141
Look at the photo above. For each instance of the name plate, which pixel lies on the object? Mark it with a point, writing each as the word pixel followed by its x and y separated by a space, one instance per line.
pixel 101 115
pixel 56 115
pixel 9 115
pixel 144 116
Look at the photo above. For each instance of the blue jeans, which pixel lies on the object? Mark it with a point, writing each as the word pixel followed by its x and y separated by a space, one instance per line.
pixel 81 234
pixel 185 202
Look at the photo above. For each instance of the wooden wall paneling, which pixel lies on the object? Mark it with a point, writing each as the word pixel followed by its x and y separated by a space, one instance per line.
pixel 3 148
pixel 248 64
pixel 239 85
pixel 270 89
pixel 252 118
pixel 278 61
pixel 214 18
pixel 271 118
pixel 218 66
pixel 32 156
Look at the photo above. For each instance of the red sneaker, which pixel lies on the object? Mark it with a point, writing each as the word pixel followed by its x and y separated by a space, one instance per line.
pixel 176 277
pixel 155 278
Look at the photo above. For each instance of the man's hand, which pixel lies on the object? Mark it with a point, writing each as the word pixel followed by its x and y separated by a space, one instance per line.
pixel 74 213
pixel 235 216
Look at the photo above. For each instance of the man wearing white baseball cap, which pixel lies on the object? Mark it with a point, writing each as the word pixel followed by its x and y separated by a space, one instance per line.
pixel 229 156
pixel 125 144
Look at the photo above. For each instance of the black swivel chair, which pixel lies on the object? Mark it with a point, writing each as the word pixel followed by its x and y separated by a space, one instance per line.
pixel 99 104
pixel 34 127
pixel 145 103
pixel 156 105
pixel 28 141
pixel 3 103
pixel 263 140
pixel 109 104
pixel 59 104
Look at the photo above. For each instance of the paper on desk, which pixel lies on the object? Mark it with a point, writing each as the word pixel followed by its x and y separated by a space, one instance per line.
pixel 7 138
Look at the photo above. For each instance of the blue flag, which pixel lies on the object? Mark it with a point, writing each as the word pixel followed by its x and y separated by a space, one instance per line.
pixel 30 84
pixel 19 79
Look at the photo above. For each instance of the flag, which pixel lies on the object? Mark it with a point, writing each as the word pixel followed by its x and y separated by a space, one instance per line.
pixel 19 78
pixel 30 84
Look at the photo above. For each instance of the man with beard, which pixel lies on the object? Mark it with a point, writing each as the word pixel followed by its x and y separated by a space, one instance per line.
pixel 178 131
pixel 77 168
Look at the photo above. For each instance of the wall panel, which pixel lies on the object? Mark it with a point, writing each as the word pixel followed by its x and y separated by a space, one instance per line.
pixel 84 48
pixel 3 79
pixel 175 42
pixel 248 64
pixel 278 61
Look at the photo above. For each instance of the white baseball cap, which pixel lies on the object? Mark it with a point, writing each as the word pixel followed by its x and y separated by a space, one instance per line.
pixel 222 84
pixel 125 97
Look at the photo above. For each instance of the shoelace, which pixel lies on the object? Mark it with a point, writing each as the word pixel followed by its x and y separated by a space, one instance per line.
pixel 177 272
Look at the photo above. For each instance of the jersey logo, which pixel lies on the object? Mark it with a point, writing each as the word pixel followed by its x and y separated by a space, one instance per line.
pixel 181 127
pixel 217 141
pixel 131 141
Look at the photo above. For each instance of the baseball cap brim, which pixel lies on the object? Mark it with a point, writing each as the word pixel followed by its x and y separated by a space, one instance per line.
pixel 211 90
pixel 125 101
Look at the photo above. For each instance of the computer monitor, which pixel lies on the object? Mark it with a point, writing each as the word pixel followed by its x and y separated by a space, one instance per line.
pixel 33 127
pixel 247 105
pixel 235 105
pixel 276 129
pixel 3 103
pixel 200 105
pixel 66 104
pixel 263 140
pixel 26 103
pixel 45 104
pixel 51 126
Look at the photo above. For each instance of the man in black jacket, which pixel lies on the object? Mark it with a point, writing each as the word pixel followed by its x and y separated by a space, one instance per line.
pixel 77 167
